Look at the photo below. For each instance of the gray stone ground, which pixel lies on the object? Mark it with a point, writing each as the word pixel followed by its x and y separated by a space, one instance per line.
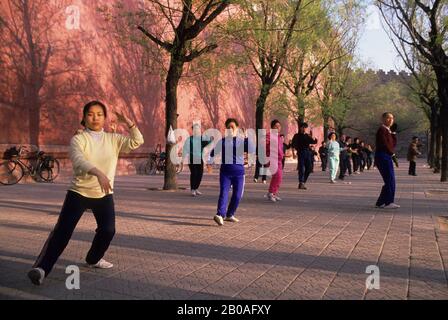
pixel 315 244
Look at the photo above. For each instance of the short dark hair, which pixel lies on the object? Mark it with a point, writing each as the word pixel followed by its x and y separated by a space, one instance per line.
pixel 385 114
pixel 332 133
pixel 87 107
pixel 414 138
pixel 230 120
pixel 274 122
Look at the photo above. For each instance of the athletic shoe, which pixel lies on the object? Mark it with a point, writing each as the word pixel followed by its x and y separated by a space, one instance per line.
pixel 333 181
pixel 198 193
pixel 302 186
pixel 380 207
pixel 255 180
pixel 264 182
pixel 37 276
pixel 277 197
pixel 271 197
pixel 102 264
pixel 392 206
pixel 194 193
pixel 231 219
pixel 218 219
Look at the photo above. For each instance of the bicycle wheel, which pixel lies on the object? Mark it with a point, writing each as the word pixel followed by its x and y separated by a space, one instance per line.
pixel 48 173
pixel 11 172
pixel 150 167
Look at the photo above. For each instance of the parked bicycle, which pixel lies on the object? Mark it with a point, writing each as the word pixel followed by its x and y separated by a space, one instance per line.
pixel 41 168
pixel 157 163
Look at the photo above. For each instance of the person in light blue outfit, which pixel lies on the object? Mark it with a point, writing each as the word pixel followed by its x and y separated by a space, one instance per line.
pixel 334 149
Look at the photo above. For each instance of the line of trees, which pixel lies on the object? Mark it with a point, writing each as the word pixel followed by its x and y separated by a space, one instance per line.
pixel 287 44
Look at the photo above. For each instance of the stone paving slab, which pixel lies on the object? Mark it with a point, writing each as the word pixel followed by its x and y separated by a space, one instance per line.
pixel 315 244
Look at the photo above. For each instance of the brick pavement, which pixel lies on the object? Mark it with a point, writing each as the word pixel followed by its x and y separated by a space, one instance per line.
pixel 315 244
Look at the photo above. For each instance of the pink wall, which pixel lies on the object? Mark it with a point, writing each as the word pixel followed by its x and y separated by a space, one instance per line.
pixel 89 63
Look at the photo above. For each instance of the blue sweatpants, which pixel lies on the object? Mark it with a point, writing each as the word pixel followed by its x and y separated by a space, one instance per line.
pixel 385 165
pixel 225 181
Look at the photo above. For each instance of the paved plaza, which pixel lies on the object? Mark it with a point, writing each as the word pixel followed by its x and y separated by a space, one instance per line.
pixel 315 244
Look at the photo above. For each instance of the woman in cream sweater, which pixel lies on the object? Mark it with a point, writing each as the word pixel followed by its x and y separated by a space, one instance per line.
pixel 94 155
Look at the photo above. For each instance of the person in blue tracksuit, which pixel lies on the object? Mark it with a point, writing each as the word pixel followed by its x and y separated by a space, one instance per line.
pixel 231 172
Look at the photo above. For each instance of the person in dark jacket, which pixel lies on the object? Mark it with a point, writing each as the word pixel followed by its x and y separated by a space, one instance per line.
pixel 323 155
pixel 301 142
pixel 413 152
pixel 193 150
pixel 386 142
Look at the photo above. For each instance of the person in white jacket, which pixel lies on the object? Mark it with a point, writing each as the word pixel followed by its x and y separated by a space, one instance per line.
pixel 334 149
pixel 94 155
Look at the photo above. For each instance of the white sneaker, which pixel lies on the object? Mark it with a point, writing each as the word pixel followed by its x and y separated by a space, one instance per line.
pixel 392 206
pixel 277 197
pixel 271 197
pixel 37 276
pixel 198 193
pixel 380 207
pixel 102 264
pixel 232 219
pixel 255 180
pixel 218 219
pixel 264 182
pixel 333 181
pixel 193 193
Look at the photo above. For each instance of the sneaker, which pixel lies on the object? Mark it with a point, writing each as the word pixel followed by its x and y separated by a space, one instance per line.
pixel 333 181
pixel 392 206
pixel 198 193
pixel 271 197
pixel 37 276
pixel 193 193
pixel 277 197
pixel 102 264
pixel 231 219
pixel 264 182
pixel 357 172
pixel 255 180
pixel 380 207
pixel 219 220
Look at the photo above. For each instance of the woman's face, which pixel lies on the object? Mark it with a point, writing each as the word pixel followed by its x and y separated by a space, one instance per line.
pixel 277 127
pixel 388 120
pixel 95 118
pixel 333 137
pixel 233 128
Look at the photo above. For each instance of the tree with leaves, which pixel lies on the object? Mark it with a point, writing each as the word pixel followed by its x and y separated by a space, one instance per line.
pixel 177 28
pixel 332 33
pixel 422 25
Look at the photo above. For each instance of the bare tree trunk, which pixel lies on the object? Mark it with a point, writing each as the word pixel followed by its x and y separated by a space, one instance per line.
pixel 444 144
pixel 432 140
pixel 172 82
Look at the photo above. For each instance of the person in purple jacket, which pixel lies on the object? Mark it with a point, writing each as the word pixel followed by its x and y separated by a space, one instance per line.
pixel 231 172
pixel 386 142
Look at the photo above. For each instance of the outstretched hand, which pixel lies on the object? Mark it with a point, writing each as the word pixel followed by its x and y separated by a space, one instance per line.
pixel 123 119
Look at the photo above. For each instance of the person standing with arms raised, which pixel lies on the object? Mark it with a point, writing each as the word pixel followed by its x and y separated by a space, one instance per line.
pixel 94 155
pixel 386 142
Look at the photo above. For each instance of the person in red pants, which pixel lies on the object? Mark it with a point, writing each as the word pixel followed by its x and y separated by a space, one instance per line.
pixel 276 165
